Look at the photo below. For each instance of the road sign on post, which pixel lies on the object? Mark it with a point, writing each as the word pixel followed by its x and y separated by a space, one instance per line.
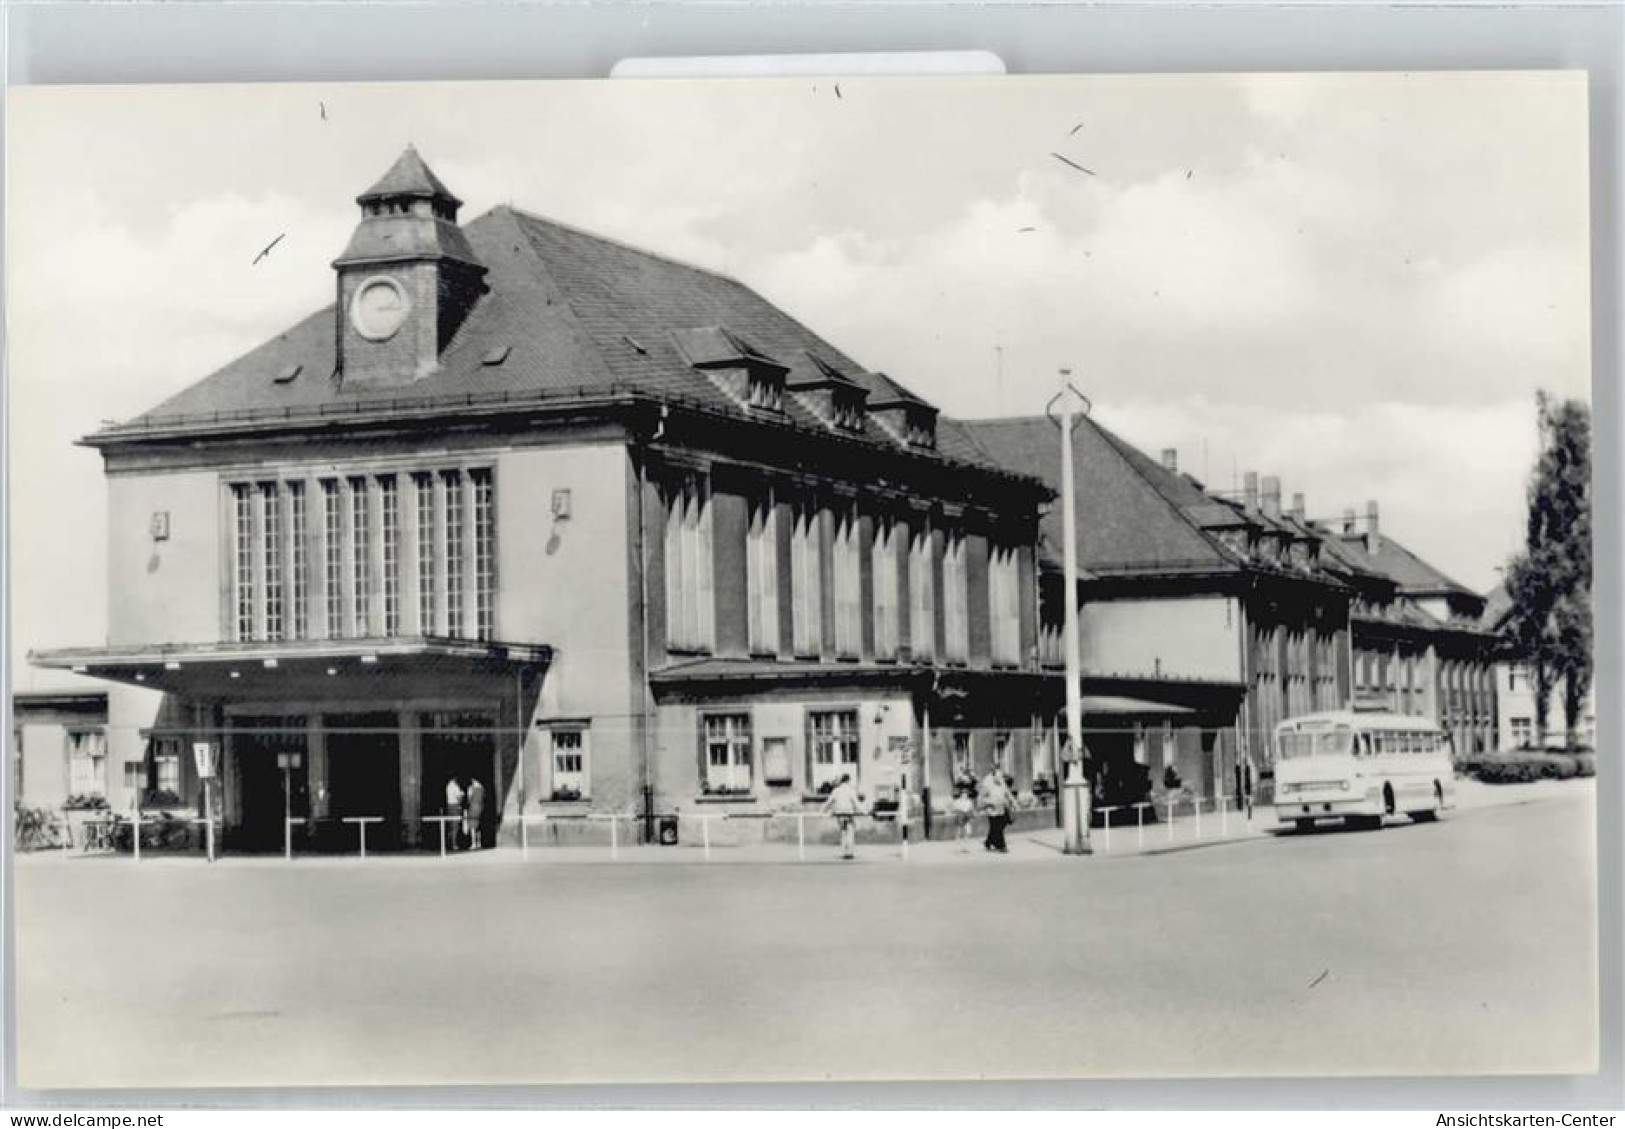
pixel 203 754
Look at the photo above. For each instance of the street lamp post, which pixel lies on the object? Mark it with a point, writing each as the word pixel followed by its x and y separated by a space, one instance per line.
pixel 1075 797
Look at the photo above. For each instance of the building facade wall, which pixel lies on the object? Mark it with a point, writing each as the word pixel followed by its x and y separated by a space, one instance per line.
pixel 1182 637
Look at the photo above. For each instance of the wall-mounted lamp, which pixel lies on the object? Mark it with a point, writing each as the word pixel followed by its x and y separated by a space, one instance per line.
pixel 159 525
pixel 561 505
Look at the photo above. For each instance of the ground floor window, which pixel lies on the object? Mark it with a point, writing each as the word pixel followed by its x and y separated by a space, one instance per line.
pixel 87 757
pixel 834 751
pixel 1523 731
pixel 569 764
pixel 135 777
pixel 726 738
pixel 1001 753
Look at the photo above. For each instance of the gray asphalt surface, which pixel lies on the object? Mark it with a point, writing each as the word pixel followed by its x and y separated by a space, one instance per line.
pixel 1465 947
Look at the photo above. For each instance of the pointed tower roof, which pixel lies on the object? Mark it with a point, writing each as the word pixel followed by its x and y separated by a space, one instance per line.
pixel 410 177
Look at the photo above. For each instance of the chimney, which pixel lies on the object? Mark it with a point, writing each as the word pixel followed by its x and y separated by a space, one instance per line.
pixel 1348 522
pixel 1272 496
pixel 1170 459
pixel 1249 491
pixel 1297 510
pixel 1373 528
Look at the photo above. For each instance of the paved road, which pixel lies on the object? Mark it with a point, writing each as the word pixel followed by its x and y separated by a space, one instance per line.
pixel 1465 946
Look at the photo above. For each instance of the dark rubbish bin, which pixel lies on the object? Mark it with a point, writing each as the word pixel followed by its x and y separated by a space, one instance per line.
pixel 666 830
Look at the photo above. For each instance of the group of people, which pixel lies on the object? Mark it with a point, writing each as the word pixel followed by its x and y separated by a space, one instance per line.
pixel 465 803
pixel 994 796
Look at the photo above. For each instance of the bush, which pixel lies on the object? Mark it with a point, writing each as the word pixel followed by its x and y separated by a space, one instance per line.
pixel 34 828
pixel 1524 767
pixel 85 801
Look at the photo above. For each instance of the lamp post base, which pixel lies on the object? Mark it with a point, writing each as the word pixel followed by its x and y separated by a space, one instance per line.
pixel 1074 805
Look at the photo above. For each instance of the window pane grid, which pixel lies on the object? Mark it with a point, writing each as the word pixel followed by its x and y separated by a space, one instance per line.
pixel 364 556
pixel 834 746
pixel 727 752
pixel 484 555
pixel 270 503
pixel 361 556
pixel 243 560
pixel 297 532
pixel 333 552
pixel 451 483
pixel 390 530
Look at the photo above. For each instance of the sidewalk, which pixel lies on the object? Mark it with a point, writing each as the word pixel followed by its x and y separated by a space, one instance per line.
pixel 1188 831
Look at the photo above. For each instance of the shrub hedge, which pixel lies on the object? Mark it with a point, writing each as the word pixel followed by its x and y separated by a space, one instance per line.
pixel 1523 767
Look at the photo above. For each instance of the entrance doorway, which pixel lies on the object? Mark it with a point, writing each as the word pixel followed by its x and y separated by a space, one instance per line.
pixel 460 746
pixel 273 773
pixel 364 774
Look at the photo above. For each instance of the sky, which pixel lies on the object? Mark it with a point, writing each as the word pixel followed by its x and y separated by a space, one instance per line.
pixel 1354 282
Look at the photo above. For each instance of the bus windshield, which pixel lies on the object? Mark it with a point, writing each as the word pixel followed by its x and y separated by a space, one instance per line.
pixel 1336 743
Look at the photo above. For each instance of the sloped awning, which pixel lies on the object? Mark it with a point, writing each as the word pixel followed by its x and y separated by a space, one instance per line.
pixel 228 670
pixel 1115 706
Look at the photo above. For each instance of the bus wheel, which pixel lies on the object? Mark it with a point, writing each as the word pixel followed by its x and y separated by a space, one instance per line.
pixel 1428 815
pixel 1303 826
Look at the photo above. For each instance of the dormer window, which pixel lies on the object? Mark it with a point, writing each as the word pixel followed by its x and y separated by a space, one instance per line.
pixel 765 390
pixel 908 419
pixel 918 431
pixel 751 378
pixel 848 414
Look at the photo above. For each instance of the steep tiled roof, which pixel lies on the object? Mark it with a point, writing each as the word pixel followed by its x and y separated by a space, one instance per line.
pixel 1130 510
pixel 1413 575
pixel 577 314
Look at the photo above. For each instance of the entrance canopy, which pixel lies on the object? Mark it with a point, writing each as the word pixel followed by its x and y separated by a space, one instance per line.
pixel 236 670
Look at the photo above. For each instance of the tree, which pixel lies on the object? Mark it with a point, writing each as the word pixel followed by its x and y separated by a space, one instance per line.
pixel 1549 581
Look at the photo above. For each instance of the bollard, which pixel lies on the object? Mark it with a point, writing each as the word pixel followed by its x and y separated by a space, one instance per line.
pixel 1106 828
pixel 1139 825
pixel 1224 817
pixel 705 836
pixel 1197 804
pixel 614 841
pixel 801 836
pixel 1173 806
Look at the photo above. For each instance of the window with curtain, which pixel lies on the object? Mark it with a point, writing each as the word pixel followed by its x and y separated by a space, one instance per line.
pixel 848 585
pixel 922 595
pixel 883 554
pixel 955 597
pixel 762 575
pixel 806 583
pixel 690 594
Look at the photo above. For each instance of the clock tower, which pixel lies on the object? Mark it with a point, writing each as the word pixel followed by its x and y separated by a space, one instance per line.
pixel 406 281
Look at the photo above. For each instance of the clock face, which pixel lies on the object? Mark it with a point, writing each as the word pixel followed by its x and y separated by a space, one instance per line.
pixel 378 308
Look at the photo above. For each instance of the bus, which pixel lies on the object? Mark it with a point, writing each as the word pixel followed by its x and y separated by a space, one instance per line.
pixel 1361 768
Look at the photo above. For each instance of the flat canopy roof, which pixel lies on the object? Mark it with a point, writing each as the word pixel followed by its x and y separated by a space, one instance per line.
pixel 231 669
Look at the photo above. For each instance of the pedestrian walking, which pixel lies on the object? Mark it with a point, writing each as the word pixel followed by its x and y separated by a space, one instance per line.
pixel 997 802
pixel 476 813
pixel 455 799
pixel 843 805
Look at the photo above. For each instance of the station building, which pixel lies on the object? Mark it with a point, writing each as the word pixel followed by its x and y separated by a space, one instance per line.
pixel 612 534
pixel 600 530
